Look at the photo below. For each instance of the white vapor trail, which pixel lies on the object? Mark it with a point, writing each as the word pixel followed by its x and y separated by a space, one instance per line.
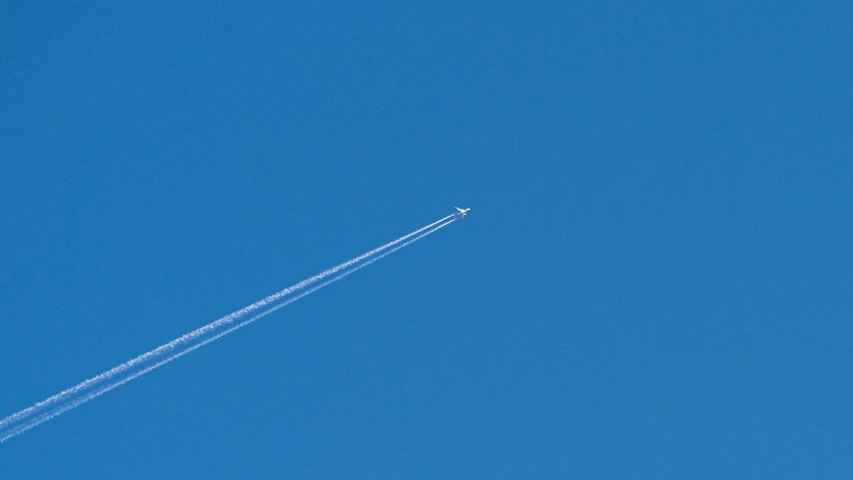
pixel 202 331
pixel 64 407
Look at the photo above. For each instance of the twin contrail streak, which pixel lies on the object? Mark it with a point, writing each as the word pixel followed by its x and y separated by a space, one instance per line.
pixel 230 318
pixel 59 404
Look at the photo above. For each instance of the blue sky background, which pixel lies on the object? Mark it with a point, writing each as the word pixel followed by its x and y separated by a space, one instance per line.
pixel 654 281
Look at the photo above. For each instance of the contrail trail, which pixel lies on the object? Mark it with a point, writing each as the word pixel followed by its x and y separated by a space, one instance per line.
pixel 203 330
pixel 62 408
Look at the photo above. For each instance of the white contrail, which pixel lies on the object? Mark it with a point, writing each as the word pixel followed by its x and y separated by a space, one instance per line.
pixel 203 330
pixel 62 408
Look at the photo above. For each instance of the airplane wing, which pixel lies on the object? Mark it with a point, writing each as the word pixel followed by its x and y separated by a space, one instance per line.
pixel 460 210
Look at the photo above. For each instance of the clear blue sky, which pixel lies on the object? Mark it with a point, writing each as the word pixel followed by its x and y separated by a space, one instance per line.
pixel 654 280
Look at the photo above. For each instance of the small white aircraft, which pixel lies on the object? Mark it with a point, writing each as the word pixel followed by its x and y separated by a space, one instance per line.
pixel 462 212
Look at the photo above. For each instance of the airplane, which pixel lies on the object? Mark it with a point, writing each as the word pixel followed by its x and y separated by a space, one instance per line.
pixel 462 212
